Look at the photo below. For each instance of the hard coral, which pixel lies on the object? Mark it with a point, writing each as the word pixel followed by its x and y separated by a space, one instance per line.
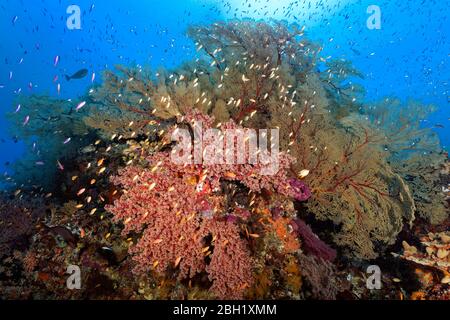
pixel 230 268
pixel 175 220
pixel 436 254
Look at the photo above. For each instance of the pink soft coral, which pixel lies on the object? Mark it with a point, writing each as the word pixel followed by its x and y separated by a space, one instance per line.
pixel 175 217
pixel 229 269
pixel 178 207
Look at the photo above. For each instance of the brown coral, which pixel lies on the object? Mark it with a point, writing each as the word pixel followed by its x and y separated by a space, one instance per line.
pixel 322 276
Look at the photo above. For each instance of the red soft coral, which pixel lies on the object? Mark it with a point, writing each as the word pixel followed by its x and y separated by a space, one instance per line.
pixel 176 207
pixel 175 217
pixel 229 269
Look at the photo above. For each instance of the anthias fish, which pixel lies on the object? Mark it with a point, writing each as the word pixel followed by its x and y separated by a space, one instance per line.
pixel 80 105
pixel 80 74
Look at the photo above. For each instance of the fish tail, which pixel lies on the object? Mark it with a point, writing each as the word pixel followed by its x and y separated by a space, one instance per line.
pixel 67 77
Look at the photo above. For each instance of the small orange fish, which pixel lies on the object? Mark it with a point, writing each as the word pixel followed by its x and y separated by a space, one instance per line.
pixel 177 262
pixel 230 175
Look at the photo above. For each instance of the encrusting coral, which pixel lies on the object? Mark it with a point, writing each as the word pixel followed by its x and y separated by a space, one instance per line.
pixel 431 261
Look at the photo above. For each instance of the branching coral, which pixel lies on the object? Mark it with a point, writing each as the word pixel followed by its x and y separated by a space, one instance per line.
pixel 435 255
pixel 312 244
pixel 422 173
pixel 230 268
pixel 323 122
pixel 352 183
pixel 176 221
pixel 123 98
pixel 234 78
pixel 202 230
pixel 317 114
pixel 344 94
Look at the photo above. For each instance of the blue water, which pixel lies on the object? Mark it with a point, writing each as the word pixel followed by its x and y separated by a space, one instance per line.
pixel 407 58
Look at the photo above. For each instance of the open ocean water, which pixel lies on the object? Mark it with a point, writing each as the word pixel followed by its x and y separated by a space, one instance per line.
pixel 406 58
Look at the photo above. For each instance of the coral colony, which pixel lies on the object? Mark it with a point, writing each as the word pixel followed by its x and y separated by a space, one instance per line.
pixel 256 171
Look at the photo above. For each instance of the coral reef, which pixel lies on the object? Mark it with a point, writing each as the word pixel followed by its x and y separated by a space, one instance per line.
pixel 432 265
pixel 176 207
pixel 349 148
pixel 436 253
pixel 322 276
pixel 15 227
pixel 98 187
pixel 52 131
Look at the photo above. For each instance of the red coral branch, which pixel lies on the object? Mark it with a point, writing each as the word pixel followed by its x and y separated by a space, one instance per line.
pixel 311 242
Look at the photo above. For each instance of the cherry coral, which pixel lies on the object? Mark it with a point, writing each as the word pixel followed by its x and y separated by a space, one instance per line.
pixel 178 207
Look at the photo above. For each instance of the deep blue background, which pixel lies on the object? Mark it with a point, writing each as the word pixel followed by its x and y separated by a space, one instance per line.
pixel 407 58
